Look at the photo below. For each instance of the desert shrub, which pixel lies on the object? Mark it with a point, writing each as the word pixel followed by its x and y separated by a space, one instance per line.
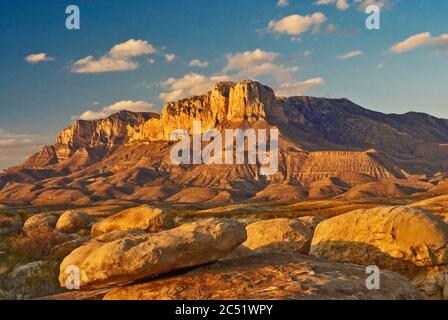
pixel 31 282
pixel 35 246
pixel 9 222
pixel 22 249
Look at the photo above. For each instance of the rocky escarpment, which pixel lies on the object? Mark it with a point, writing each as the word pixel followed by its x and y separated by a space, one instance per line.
pixel 327 146
pixel 113 131
pixel 228 103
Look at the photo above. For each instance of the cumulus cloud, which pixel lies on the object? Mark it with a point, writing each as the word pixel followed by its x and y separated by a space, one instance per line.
pixel 350 55
pixel 119 58
pixel 198 63
pixel 15 148
pixel 424 39
pixel 298 88
pixel 240 66
pixel 170 57
pixel 129 105
pixel 297 24
pixel 340 4
pixel 249 59
pixel 363 4
pixel 38 57
pixel 282 3
pixel 191 84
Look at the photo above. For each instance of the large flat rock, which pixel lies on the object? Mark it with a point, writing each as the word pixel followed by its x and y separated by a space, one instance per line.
pixel 270 276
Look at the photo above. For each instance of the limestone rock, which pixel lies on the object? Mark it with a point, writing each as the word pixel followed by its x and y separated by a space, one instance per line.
pixel 117 235
pixel 311 221
pixel 279 235
pixel 109 132
pixel 432 281
pixel 63 249
pixel 270 276
pixel 145 218
pixel 77 295
pixel 397 238
pixel 226 102
pixel 73 221
pixel 34 279
pixel 239 252
pixel 141 256
pixel 38 223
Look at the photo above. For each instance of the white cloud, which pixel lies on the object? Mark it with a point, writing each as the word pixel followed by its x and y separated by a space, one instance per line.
pixel 350 55
pixel 331 28
pixel 170 57
pixel 198 63
pixel 131 48
pixel 119 58
pixel 191 84
pixel 103 64
pixel 251 64
pixel 240 66
pixel 15 148
pixel 297 88
pixel 249 59
pixel 340 4
pixel 297 24
pixel 363 4
pixel 420 40
pixel 38 57
pixel 135 106
pixel 282 3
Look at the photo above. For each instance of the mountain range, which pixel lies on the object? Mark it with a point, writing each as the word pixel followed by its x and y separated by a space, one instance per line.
pixel 327 148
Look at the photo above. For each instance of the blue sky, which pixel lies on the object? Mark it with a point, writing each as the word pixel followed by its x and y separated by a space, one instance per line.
pixel 296 48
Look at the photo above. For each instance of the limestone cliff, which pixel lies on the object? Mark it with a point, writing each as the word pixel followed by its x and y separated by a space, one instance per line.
pixel 227 103
pixel 115 130
pixel 327 147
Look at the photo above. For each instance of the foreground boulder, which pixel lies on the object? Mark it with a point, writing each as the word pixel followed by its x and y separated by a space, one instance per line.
pixel 409 240
pixel 73 221
pixel 311 221
pixel 397 238
pixel 117 235
pixel 140 256
pixel 432 281
pixel 33 279
pixel 146 218
pixel 271 276
pixel 39 223
pixel 279 235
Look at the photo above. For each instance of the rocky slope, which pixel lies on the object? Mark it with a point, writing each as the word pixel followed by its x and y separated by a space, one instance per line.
pixel 327 147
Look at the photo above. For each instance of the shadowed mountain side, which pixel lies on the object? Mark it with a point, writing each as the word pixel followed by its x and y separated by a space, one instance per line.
pixel 327 147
